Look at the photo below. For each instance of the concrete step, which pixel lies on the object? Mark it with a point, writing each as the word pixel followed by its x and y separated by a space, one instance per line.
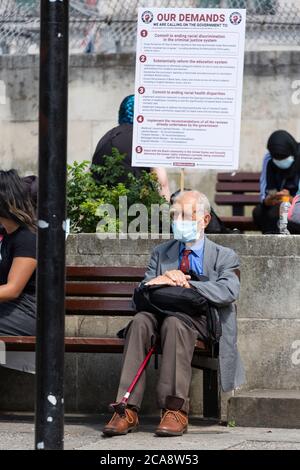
pixel 265 408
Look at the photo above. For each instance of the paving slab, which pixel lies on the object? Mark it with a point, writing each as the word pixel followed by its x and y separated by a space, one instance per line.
pixel 84 433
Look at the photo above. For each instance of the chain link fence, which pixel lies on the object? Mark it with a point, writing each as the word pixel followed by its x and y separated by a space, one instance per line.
pixel 108 26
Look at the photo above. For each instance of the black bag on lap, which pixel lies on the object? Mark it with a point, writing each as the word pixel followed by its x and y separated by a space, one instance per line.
pixel 164 300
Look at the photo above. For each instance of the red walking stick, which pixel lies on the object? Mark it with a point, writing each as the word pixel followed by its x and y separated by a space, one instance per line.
pixel 121 405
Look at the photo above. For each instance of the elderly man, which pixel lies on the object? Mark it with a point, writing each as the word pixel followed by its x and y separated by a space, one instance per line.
pixel 169 264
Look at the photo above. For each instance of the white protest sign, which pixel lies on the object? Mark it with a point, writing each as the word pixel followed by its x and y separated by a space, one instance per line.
pixel 188 87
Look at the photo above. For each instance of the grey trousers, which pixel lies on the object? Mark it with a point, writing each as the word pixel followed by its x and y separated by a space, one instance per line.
pixel 18 317
pixel 177 341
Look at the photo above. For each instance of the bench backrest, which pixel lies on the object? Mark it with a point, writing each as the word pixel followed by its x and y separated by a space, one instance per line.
pixel 102 290
pixel 92 289
pixel 243 188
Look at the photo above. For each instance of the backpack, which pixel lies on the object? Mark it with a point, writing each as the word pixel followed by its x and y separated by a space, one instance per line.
pixel 217 226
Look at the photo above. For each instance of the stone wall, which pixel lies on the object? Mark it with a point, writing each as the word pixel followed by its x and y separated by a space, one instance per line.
pixel 98 83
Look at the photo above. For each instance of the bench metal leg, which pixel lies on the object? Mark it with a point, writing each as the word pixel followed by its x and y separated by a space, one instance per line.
pixel 211 394
pixel 238 209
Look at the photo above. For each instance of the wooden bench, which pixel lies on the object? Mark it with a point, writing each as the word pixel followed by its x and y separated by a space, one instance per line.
pixel 242 189
pixel 108 291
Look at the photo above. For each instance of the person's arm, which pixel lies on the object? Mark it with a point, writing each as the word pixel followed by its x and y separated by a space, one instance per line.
pixel 294 212
pixel 263 178
pixel 266 184
pixel 162 177
pixel 20 272
pixel 225 289
pixel 268 194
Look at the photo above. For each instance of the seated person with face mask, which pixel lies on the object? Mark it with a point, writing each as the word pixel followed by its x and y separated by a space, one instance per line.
pixel 169 264
pixel 280 177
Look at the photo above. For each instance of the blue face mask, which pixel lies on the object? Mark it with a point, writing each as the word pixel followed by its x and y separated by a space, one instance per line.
pixel 285 163
pixel 185 230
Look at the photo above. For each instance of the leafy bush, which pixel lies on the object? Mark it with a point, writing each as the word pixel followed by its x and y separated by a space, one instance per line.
pixel 85 195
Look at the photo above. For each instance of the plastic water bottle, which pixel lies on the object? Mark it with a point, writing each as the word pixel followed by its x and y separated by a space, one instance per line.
pixel 283 215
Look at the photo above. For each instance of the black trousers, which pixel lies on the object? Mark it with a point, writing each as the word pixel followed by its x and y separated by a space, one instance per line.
pixel 266 218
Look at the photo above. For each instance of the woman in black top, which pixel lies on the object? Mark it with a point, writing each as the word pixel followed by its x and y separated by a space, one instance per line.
pixel 18 258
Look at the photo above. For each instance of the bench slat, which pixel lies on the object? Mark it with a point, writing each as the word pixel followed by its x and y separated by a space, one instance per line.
pixel 234 187
pixel 105 273
pixel 237 199
pixel 107 289
pixel 72 344
pixel 82 344
pixel 240 176
pixel 120 306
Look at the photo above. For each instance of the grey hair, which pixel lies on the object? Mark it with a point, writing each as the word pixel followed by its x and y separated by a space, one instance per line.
pixel 201 199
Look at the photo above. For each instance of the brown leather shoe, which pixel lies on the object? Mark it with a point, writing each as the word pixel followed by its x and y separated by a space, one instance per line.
pixel 173 423
pixel 120 425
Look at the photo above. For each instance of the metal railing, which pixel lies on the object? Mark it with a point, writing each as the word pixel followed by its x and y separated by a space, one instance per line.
pixel 107 26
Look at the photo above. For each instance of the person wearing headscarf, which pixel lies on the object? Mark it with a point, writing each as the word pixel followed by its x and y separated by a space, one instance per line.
pixel 279 177
pixel 120 137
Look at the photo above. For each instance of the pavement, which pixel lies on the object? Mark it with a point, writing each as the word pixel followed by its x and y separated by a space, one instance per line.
pixel 83 432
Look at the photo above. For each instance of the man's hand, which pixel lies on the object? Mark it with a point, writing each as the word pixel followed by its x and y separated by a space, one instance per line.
pixel 159 280
pixel 178 277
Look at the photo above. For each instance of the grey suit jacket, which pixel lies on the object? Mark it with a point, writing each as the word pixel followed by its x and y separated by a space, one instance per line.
pixel 222 289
